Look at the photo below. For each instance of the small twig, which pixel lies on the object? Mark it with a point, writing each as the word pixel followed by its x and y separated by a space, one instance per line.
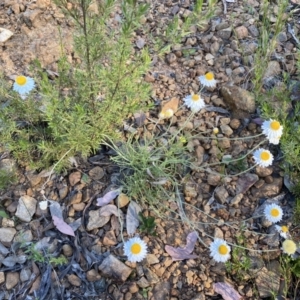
pixel 292 32
pixel 51 172
pixel 225 7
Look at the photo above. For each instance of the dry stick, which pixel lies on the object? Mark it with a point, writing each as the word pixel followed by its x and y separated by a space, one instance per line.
pixel 120 221
pixel 51 172
pixel 225 7
pixel 292 32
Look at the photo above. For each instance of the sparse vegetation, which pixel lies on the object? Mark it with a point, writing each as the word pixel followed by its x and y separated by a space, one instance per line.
pixel 43 256
pixel 86 104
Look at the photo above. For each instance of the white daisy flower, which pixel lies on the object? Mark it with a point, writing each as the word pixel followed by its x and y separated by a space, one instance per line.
pixel 289 247
pixel 23 85
pixel 283 230
pixel 166 114
pixel 208 80
pixel 219 250
pixel 273 213
pixel 273 130
pixel 274 141
pixel 135 249
pixel 262 157
pixel 194 102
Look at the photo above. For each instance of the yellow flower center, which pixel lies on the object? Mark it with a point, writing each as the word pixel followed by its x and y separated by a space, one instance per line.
pixel 169 113
pixel 136 248
pixel 223 250
pixel 284 228
pixel 21 80
pixel 275 125
pixel 195 97
pixel 265 155
pixel 209 76
pixel 274 212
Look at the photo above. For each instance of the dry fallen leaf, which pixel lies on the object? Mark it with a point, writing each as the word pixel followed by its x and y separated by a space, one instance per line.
pixel 169 108
pixel 108 210
pixel 132 217
pixel 62 226
pixel 56 210
pixel 184 253
pixel 226 291
pixel 108 197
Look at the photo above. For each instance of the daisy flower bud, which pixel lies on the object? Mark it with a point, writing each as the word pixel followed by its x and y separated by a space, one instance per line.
pixel 194 102
pixel 219 250
pixel 273 130
pixel 273 213
pixel 166 114
pixel 262 157
pixel 208 80
pixel 23 85
pixel 215 130
pixel 283 230
pixel 135 249
pixel 289 247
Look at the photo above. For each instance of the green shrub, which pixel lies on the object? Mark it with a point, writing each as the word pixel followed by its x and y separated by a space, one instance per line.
pixel 70 115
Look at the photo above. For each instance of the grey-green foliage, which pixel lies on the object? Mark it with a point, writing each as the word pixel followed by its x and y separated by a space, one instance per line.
pixel 69 115
pixel 152 168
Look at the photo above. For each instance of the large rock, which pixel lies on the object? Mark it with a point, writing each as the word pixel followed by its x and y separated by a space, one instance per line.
pixel 221 194
pixel 12 279
pixel 240 101
pixel 8 165
pixel 268 190
pixel 114 268
pixel 161 290
pixel 95 221
pixel 26 208
pixel 273 69
pixel 7 234
pixel 245 182
pixel 267 282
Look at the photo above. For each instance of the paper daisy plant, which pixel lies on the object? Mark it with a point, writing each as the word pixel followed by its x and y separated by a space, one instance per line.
pixel 273 130
pixel 262 157
pixel 23 85
pixel 273 213
pixel 194 102
pixel 135 249
pixel 219 250
pixel 208 80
